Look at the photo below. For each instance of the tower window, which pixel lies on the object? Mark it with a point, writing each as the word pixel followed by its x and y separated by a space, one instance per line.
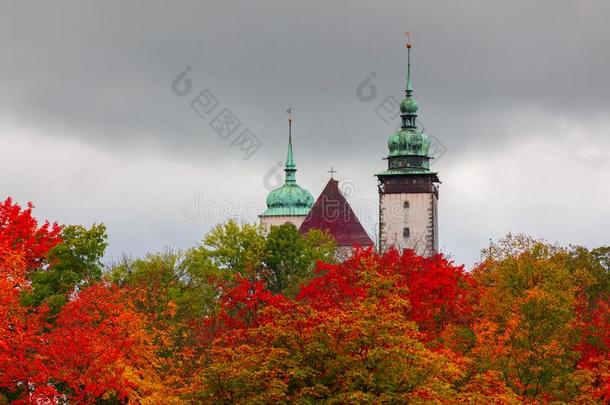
pixel 406 232
pixel 406 204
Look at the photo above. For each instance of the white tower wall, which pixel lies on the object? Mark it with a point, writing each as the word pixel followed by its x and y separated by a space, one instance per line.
pixel 409 220
pixel 268 221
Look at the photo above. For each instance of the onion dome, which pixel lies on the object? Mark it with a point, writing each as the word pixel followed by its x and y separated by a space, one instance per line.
pixel 408 106
pixel 409 141
pixel 290 199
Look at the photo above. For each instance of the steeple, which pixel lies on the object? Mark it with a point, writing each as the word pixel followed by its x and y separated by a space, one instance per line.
pixel 409 146
pixel 290 199
pixel 290 167
pixel 408 195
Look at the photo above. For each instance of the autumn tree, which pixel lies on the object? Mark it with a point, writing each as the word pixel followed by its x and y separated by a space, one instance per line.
pixel 99 349
pixel 20 232
pixel 591 269
pixel 527 316
pixel 20 329
pixel 439 293
pixel 24 247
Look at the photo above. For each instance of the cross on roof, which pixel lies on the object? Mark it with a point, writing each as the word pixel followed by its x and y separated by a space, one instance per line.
pixel 332 171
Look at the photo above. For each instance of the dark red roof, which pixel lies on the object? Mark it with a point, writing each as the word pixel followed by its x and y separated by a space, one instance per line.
pixel 333 213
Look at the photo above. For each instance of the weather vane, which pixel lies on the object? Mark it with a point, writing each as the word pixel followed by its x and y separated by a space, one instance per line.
pixel 408 35
pixel 289 112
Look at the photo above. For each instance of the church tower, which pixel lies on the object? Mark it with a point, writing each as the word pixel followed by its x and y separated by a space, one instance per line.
pixel 408 195
pixel 290 202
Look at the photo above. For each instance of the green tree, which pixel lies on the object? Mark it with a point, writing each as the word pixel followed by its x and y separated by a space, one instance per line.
pixel 591 269
pixel 73 263
pixel 290 257
pixel 236 248
pixel 320 245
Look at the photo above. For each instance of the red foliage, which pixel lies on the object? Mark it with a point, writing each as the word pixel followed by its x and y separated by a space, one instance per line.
pixel 23 247
pixel 20 331
pixel 89 351
pixel 241 307
pixel 439 292
pixel 335 284
pixel 594 345
pixel 595 337
pixel 97 338
pixel 19 232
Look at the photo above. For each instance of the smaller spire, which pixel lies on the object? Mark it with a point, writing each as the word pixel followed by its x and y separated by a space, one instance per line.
pixel 289 156
pixel 290 167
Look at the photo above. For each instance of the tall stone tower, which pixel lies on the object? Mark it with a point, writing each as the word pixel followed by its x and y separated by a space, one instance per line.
pixel 290 202
pixel 408 195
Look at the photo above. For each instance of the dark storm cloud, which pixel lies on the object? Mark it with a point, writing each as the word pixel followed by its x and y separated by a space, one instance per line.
pixel 102 72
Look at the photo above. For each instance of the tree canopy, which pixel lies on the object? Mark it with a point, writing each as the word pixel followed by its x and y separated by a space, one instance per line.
pixel 249 317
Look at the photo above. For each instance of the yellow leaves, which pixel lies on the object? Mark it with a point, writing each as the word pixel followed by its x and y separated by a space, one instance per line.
pixel 246 372
pixel 171 309
pixel 13 267
pixel 149 388
pixel 526 328
pixel 487 388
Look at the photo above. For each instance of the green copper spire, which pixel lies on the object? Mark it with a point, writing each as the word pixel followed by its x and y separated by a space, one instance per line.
pixel 409 146
pixel 290 168
pixel 289 199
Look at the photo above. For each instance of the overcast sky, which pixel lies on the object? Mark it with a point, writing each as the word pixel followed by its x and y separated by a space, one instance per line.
pixel 516 93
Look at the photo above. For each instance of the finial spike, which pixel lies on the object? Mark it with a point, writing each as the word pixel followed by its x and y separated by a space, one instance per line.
pixel 332 171
pixel 289 112
pixel 290 156
pixel 409 88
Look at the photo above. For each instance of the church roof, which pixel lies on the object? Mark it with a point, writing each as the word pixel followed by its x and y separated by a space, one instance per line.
pixel 333 213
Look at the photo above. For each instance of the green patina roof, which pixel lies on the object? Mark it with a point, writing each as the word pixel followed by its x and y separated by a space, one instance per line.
pixel 409 141
pixel 403 171
pixel 289 199
pixel 409 146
